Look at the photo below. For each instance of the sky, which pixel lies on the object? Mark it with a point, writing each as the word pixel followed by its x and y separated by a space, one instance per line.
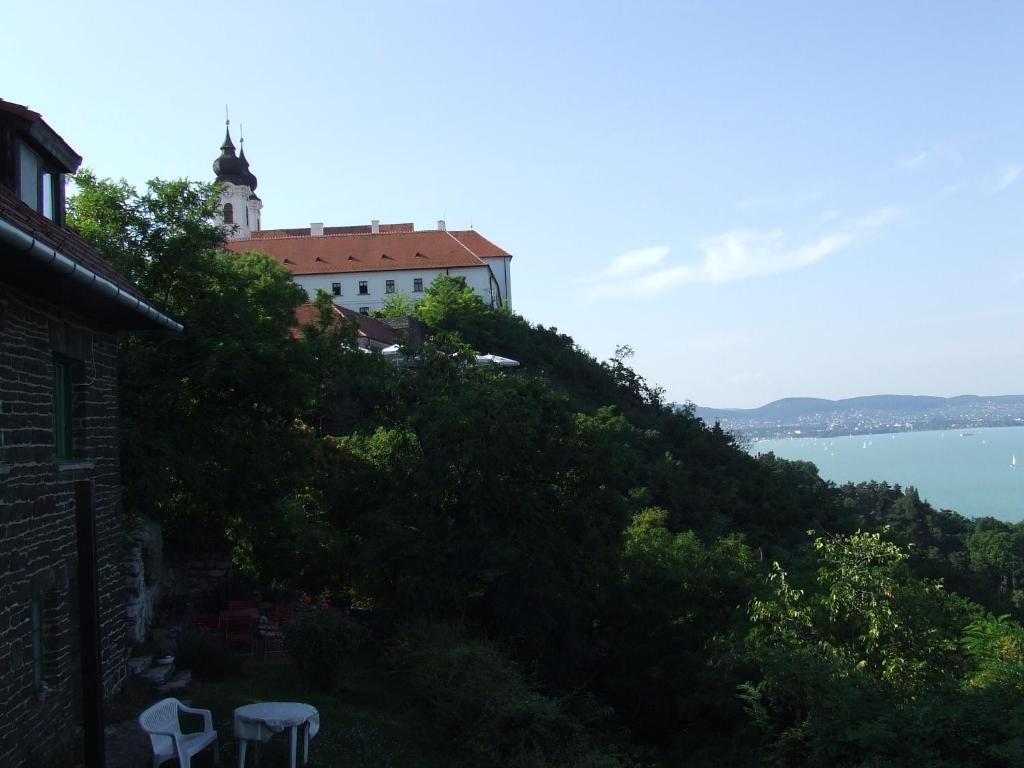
pixel 763 200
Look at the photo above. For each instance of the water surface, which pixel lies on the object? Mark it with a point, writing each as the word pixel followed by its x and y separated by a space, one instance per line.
pixel 970 471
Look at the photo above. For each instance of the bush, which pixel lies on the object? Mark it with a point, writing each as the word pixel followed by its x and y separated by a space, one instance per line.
pixel 486 708
pixel 320 641
pixel 206 656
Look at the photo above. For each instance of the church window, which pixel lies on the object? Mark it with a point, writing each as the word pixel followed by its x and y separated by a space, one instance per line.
pixel 336 289
pixel 364 287
pixel 229 213
pixel 417 285
pixel 389 286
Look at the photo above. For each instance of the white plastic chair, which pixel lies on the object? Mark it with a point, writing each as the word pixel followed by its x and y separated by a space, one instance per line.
pixel 161 722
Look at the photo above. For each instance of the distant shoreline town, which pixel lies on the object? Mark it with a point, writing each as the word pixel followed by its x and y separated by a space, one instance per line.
pixel 874 414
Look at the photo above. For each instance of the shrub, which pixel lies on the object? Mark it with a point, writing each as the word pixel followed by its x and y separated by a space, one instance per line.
pixel 204 655
pixel 320 640
pixel 485 707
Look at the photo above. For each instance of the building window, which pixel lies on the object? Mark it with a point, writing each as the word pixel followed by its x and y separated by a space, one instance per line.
pixel 47 204
pixel 62 410
pixel 38 186
pixel 389 286
pixel 38 640
pixel 417 285
pixel 229 213
pixel 364 310
pixel 336 289
pixel 364 287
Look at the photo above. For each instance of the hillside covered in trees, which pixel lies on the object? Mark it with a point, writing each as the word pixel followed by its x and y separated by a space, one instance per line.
pixel 563 570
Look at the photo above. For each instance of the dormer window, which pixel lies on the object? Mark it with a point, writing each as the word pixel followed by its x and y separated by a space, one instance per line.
pixel 38 185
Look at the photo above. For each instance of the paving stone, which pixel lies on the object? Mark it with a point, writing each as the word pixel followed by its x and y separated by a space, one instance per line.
pixel 127 746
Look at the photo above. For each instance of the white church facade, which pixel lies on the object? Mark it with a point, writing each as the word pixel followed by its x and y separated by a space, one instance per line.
pixel 360 266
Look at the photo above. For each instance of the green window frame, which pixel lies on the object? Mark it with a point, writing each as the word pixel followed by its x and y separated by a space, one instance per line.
pixel 62 409
pixel 38 640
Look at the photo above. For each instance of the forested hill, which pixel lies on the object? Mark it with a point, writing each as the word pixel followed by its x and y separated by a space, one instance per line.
pixel 556 568
pixel 800 407
pixel 873 413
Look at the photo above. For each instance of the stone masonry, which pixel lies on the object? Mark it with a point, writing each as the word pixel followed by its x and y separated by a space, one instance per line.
pixel 38 542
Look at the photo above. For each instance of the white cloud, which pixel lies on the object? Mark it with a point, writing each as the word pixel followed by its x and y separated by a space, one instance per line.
pixel 735 255
pixel 634 261
pixel 915 160
pixel 1010 175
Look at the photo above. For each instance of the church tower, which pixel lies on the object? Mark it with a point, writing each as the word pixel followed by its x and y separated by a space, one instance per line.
pixel 239 209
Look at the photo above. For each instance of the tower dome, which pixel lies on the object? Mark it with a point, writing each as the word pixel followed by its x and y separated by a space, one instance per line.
pixel 250 179
pixel 239 207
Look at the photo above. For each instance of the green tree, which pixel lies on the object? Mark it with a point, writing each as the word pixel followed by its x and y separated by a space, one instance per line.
pixel 396 305
pixel 449 304
pixel 854 661
pixel 209 439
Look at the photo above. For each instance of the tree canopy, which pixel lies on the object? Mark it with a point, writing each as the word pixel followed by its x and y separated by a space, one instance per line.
pixel 615 565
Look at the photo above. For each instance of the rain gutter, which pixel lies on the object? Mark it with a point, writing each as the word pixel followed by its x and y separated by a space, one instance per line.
pixel 54 259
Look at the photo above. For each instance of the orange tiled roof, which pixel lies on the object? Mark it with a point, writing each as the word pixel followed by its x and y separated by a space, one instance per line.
pixel 360 252
pixel 479 244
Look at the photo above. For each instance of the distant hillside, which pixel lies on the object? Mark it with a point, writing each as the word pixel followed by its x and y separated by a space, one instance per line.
pixel 872 413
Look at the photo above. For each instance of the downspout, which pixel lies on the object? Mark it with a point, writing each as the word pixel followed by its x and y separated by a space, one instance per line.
pixel 494 282
pixel 54 259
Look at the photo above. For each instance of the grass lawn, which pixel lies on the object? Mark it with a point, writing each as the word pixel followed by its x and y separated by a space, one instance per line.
pixel 364 726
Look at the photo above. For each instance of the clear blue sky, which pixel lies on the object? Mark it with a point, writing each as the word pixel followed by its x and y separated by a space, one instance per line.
pixel 763 199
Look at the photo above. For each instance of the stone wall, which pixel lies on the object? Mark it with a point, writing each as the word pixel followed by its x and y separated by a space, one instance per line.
pixel 143 573
pixel 38 542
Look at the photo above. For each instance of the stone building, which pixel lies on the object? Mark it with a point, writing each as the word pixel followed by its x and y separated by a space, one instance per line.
pixel 62 591
pixel 361 266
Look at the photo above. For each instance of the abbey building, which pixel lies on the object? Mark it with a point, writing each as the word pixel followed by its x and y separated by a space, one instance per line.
pixel 364 265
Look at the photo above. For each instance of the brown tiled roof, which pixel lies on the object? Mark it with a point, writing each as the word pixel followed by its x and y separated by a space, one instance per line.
pixel 368 327
pixel 371 327
pixel 332 254
pixel 357 229
pixel 63 239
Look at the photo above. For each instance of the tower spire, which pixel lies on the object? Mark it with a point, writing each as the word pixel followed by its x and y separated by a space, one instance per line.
pixel 227 146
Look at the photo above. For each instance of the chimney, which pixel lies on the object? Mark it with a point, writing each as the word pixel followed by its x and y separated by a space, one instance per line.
pixel 375 227
pixel 316 229
pixel 441 226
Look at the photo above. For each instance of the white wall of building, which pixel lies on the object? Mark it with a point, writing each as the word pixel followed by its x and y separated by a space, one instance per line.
pixel 478 278
pixel 501 266
pixel 246 212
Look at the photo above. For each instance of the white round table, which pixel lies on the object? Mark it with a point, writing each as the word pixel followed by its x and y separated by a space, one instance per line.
pixel 258 722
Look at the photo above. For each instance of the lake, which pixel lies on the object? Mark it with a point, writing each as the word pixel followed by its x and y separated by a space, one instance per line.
pixel 969 471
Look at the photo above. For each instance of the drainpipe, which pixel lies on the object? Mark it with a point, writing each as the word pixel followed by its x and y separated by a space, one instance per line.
pixel 54 259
